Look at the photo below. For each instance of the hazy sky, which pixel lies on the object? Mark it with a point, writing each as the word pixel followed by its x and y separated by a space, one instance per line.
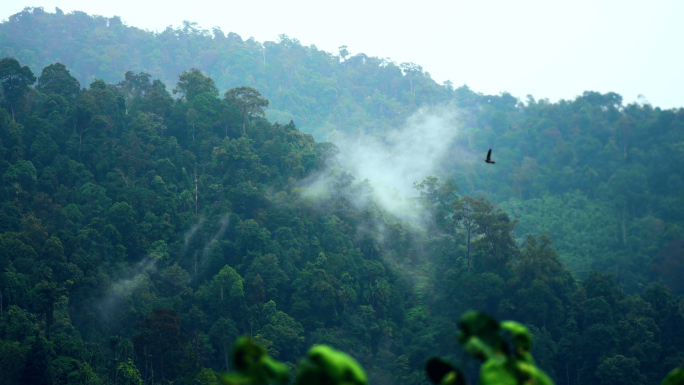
pixel 549 49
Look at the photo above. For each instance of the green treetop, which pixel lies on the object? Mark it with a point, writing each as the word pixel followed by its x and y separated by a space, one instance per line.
pixel 248 101
pixel 15 81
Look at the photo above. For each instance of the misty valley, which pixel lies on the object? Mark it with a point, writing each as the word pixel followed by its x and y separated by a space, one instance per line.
pixel 188 207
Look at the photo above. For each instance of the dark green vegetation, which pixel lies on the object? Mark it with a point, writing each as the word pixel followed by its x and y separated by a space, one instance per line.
pixel 603 179
pixel 322 365
pixel 504 349
pixel 504 362
pixel 141 234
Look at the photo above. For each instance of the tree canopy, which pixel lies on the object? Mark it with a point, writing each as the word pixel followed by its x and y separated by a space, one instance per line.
pixel 141 234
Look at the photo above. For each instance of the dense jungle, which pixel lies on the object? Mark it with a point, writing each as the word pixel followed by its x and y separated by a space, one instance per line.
pixel 163 194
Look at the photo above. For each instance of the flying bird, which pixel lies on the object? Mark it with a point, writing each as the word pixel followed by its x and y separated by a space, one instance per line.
pixel 489 157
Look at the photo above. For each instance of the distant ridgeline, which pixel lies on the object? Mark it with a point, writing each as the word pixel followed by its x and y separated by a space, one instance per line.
pixel 317 89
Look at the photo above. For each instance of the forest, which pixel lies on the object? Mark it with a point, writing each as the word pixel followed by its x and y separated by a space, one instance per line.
pixel 165 193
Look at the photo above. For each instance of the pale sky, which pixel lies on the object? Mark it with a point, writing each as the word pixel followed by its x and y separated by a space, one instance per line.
pixel 549 49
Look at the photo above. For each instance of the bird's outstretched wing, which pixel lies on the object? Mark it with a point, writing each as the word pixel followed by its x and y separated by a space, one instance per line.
pixel 489 155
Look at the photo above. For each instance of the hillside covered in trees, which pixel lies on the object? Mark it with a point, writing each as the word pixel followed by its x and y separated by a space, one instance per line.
pixel 319 90
pixel 144 227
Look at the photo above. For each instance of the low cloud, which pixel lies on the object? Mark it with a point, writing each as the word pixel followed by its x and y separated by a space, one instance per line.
pixel 390 164
pixel 190 233
pixel 124 288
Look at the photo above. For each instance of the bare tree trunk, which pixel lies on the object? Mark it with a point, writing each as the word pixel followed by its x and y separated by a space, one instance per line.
pixel 243 123
pixel 624 230
pixel 617 273
pixel 469 249
pixel 197 357
pixel 225 354
pixel 12 108
pixel 633 212
pixel 122 175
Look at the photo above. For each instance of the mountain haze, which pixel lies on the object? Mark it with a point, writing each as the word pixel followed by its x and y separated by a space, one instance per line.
pixel 321 91
pixel 148 218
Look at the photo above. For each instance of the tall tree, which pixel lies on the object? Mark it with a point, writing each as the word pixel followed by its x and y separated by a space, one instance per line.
pixel 15 81
pixel 56 79
pixel 193 82
pixel 85 110
pixel 542 285
pixel 135 86
pixel 343 52
pixel 43 296
pixel 466 210
pixel 158 100
pixel 496 247
pixel 160 335
pixel 127 374
pixel 436 197
pixel 37 369
pixel 223 333
pixel 412 72
pixel 248 101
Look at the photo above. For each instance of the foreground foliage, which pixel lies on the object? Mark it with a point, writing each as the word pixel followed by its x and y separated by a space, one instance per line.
pixel 504 361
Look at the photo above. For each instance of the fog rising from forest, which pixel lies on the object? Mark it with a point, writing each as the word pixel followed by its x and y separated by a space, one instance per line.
pixel 393 162
pixel 148 218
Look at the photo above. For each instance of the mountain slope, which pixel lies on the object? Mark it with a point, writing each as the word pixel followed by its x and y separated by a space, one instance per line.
pixel 317 89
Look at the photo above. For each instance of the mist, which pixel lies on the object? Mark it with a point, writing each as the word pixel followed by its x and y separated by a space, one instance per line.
pixel 123 288
pixel 190 233
pixel 390 164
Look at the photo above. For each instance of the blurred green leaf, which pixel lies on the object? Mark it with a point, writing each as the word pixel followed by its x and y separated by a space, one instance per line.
pixel 444 373
pixel 675 377
pixel 254 366
pixel 324 365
